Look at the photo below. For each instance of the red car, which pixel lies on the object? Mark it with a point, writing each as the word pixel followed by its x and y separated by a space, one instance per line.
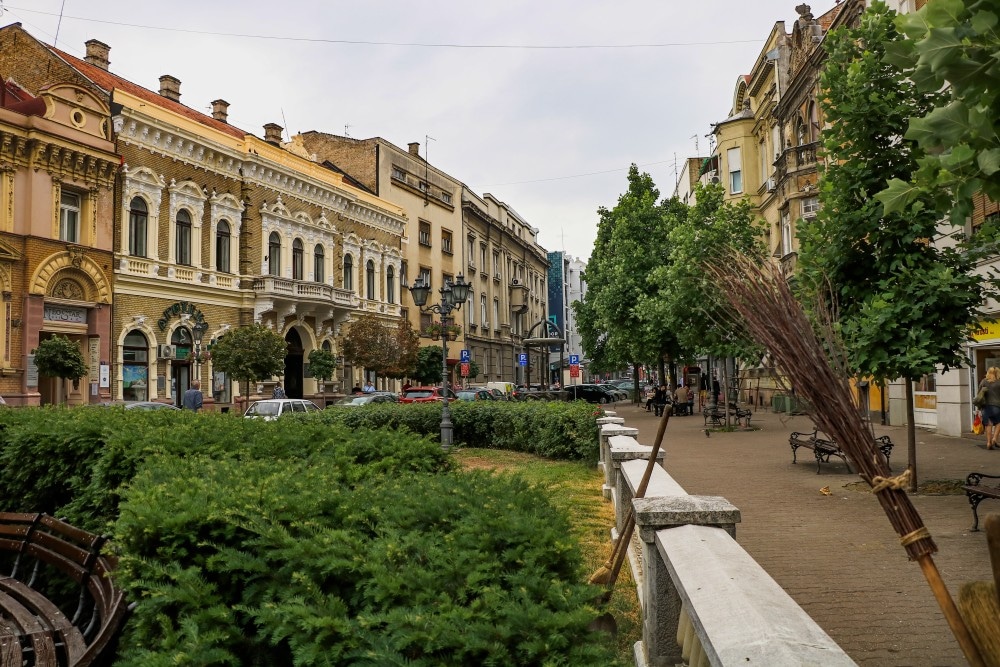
pixel 424 395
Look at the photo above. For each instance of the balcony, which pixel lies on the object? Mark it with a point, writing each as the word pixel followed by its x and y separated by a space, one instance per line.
pixel 301 290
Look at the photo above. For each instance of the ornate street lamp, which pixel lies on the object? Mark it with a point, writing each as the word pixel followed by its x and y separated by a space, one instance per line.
pixel 453 295
pixel 198 333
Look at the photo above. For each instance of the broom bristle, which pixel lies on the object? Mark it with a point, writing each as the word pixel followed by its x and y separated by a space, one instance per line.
pixel 601 577
pixel 977 601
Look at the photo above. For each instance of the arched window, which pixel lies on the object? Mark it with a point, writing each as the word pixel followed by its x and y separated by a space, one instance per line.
pixel 390 285
pixel 297 261
pixel 348 272
pixel 274 254
pixel 183 253
pixel 222 239
pixel 138 220
pixel 319 264
pixel 370 282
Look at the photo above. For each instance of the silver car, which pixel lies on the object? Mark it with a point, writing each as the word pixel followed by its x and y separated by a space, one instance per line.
pixel 273 408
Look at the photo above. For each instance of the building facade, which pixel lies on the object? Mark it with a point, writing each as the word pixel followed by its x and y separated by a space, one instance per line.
pixel 566 286
pixel 57 172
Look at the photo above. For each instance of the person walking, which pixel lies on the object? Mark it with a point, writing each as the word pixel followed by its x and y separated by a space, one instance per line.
pixel 991 411
pixel 278 392
pixel 193 398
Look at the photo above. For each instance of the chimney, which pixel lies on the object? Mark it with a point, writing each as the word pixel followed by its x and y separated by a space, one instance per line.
pixel 97 54
pixel 170 87
pixel 414 148
pixel 272 133
pixel 220 110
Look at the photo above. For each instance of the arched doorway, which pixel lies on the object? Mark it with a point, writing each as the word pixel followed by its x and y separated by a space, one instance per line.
pixel 293 365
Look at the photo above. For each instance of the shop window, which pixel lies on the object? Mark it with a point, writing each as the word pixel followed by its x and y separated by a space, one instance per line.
pixel 138 223
pixel 135 367
pixel 927 383
pixel 222 390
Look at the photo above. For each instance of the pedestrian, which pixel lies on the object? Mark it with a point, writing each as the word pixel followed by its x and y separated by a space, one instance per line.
pixel 369 388
pixel 991 410
pixel 681 399
pixel 278 391
pixel 356 390
pixel 193 398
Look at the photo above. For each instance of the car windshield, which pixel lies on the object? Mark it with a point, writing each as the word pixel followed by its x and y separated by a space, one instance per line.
pixel 264 409
pixel 354 400
pixel 466 395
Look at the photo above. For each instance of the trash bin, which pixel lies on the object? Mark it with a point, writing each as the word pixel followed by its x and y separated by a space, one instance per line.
pixel 779 403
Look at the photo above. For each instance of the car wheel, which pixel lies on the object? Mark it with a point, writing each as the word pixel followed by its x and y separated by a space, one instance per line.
pixel 602 399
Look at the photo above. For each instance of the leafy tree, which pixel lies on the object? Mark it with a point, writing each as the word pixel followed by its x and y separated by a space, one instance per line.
pixel 905 304
pixel 250 354
pixel 322 364
pixel 953 44
pixel 631 243
pixel 427 370
pixel 59 357
pixel 379 348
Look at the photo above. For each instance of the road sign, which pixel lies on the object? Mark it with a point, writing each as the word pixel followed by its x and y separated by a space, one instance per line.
pixel 522 359
pixel 574 371
pixel 465 357
pixel 574 360
pixel 465 368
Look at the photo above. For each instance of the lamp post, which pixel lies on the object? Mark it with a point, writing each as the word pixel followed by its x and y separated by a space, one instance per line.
pixel 453 295
pixel 198 332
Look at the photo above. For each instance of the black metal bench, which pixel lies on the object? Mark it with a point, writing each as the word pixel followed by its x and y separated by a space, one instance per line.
pixel 715 416
pixel 34 630
pixel 977 492
pixel 824 448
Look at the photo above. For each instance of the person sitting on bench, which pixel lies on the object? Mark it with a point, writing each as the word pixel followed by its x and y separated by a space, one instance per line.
pixel 660 398
pixel 681 397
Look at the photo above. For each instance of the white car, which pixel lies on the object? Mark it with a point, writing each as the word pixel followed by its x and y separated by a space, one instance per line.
pixel 273 408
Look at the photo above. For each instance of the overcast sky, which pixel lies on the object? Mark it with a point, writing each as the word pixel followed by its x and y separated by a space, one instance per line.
pixel 551 132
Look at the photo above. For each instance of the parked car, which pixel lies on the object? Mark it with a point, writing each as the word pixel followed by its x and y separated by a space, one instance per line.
pixel 496 393
pixel 140 405
pixel 368 399
pixel 474 395
pixel 273 408
pixel 424 395
pixel 591 393
pixel 619 393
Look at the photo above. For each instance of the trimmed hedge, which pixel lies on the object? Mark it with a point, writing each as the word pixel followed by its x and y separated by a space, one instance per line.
pixel 556 430
pixel 309 541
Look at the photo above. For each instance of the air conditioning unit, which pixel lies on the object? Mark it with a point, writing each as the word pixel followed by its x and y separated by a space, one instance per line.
pixel 166 351
pixel 771 185
pixel 713 177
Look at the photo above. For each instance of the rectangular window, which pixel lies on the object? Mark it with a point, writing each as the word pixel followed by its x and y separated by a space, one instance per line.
pixel 483 266
pixel 425 275
pixel 398 174
pixel 496 265
pixel 735 170
pixel 69 217
pixel 424 235
pixel 486 317
pixel 446 241
pixel 403 273
pixel 810 206
pixel 786 233
pixel 496 313
pixel 446 197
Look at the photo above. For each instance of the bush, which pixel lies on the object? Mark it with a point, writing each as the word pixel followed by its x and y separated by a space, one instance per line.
pixel 248 563
pixel 557 430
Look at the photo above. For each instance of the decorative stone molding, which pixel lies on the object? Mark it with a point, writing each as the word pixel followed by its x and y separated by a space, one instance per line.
pixel 148 185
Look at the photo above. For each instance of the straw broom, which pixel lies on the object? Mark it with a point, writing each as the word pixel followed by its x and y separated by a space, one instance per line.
pixel 607 574
pixel 760 295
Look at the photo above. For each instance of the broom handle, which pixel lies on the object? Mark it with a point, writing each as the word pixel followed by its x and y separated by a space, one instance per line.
pixel 955 621
pixel 640 491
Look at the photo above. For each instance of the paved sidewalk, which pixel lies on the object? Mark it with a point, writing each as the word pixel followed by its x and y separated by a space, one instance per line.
pixel 837 555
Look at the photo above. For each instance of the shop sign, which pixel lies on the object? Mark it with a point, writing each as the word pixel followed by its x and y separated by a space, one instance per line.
pixel 31 373
pixel 57 313
pixel 95 358
pixel 178 309
pixel 986 331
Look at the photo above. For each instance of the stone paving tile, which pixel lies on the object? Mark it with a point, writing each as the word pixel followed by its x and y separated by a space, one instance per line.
pixel 837 555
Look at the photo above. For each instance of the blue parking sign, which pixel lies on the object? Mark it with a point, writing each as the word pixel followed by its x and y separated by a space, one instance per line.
pixel 522 359
pixel 574 360
pixel 464 357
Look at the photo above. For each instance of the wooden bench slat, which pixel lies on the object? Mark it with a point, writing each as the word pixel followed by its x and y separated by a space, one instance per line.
pixel 28 625
pixel 10 645
pixel 976 492
pixel 44 608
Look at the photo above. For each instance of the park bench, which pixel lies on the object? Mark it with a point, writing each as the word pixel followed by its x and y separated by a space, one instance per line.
pixel 36 630
pixel 824 448
pixel 977 492
pixel 717 417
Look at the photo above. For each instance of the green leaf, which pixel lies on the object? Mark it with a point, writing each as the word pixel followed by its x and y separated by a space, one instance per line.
pixel 989 161
pixel 898 195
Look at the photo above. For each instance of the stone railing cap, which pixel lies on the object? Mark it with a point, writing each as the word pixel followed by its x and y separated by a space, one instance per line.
pixel 685 510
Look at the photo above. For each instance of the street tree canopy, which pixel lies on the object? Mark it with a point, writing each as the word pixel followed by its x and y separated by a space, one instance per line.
pixel 953 45
pixel 250 354
pixel 381 349
pixel 60 357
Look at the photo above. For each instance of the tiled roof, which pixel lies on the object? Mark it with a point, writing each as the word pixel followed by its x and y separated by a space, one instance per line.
pixel 108 81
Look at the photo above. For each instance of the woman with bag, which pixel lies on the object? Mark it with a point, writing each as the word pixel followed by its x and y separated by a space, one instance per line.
pixel 991 409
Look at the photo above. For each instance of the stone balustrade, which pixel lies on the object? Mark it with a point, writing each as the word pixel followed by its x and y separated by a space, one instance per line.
pixel 704 600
